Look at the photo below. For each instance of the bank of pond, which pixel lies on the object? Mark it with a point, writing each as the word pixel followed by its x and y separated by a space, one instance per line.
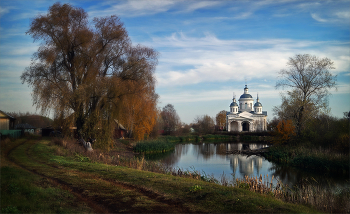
pixel 302 174
pixel 167 143
pixel 301 156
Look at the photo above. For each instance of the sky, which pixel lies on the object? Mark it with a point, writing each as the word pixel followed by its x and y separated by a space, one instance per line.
pixel 208 50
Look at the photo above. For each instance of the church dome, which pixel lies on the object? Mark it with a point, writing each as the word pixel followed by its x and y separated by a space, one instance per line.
pixel 233 104
pixel 245 96
pixel 257 104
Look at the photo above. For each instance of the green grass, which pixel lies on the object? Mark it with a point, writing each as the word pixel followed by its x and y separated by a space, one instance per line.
pixel 154 146
pixel 25 192
pixel 107 184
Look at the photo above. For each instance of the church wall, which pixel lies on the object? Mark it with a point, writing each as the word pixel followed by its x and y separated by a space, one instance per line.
pixel 234 126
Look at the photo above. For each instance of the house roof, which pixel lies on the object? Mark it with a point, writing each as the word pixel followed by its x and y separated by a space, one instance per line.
pixel 24 126
pixel 5 115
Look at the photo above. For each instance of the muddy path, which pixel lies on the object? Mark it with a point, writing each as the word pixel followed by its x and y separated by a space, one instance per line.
pixel 100 194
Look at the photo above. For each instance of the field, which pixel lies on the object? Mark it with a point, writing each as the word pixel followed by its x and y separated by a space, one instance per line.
pixel 40 177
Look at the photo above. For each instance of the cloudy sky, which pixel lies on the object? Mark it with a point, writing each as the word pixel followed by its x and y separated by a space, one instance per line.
pixel 208 49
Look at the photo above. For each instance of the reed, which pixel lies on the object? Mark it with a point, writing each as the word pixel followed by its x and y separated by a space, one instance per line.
pixel 324 199
pixel 154 146
pixel 311 158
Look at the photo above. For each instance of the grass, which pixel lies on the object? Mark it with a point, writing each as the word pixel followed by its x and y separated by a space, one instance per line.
pixel 310 158
pixel 26 192
pixel 154 146
pixel 123 189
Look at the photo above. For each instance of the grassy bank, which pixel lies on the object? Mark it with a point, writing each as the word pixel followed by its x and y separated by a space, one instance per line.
pixel 123 189
pixel 26 192
pixel 310 158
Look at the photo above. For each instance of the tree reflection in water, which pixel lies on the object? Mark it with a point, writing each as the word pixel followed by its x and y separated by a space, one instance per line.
pixel 213 159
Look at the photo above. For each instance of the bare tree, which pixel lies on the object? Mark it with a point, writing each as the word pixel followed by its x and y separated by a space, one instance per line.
pixel 85 69
pixel 310 80
pixel 171 120
pixel 205 124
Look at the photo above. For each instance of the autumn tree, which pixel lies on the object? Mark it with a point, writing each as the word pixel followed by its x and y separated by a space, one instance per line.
pixel 310 80
pixel 286 130
pixel 221 119
pixel 84 69
pixel 139 113
pixel 171 120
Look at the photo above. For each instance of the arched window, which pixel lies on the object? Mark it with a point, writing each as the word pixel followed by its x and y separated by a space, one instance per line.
pixel 246 105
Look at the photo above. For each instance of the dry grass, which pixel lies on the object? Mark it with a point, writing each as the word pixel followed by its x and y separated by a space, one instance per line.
pixel 324 199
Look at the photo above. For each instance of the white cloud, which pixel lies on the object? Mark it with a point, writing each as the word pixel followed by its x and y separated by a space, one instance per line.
pixel 133 8
pixel 224 94
pixel 343 15
pixel 15 63
pixel 317 17
pixel 4 10
pixel 195 5
pixel 209 59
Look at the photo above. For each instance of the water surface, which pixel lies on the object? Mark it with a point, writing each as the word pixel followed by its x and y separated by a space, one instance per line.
pixel 213 160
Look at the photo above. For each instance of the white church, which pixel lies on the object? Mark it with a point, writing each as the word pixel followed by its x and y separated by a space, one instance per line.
pixel 246 116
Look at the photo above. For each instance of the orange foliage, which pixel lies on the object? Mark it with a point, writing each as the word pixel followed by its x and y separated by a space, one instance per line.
pixel 139 113
pixel 286 130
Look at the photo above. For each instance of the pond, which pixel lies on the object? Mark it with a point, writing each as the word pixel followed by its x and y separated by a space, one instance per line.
pixel 212 159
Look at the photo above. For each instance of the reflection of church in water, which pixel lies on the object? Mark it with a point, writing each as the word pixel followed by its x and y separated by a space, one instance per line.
pixel 245 165
pixel 245 116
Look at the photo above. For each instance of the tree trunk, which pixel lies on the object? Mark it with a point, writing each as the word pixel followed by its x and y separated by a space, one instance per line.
pixel 79 123
pixel 300 121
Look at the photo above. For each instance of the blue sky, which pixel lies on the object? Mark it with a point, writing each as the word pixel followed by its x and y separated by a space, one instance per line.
pixel 208 49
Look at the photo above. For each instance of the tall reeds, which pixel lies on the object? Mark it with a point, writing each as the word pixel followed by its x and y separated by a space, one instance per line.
pixel 316 159
pixel 324 199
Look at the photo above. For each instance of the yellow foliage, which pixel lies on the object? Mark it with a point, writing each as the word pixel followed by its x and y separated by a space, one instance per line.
pixel 286 130
pixel 139 113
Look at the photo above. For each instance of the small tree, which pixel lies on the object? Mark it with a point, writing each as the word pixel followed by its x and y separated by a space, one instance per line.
pixel 221 119
pixel 205 124
pixel 310 80
pixel 171 120
pixel 285 130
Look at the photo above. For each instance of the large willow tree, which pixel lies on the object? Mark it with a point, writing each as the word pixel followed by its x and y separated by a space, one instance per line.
pixel 84 70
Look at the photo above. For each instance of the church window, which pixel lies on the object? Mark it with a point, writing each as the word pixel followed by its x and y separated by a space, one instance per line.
pixel 250 106
pixel 240 105
pixel 245 106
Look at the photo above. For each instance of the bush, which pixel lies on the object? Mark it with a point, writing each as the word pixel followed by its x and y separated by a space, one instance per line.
pixel 154 146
